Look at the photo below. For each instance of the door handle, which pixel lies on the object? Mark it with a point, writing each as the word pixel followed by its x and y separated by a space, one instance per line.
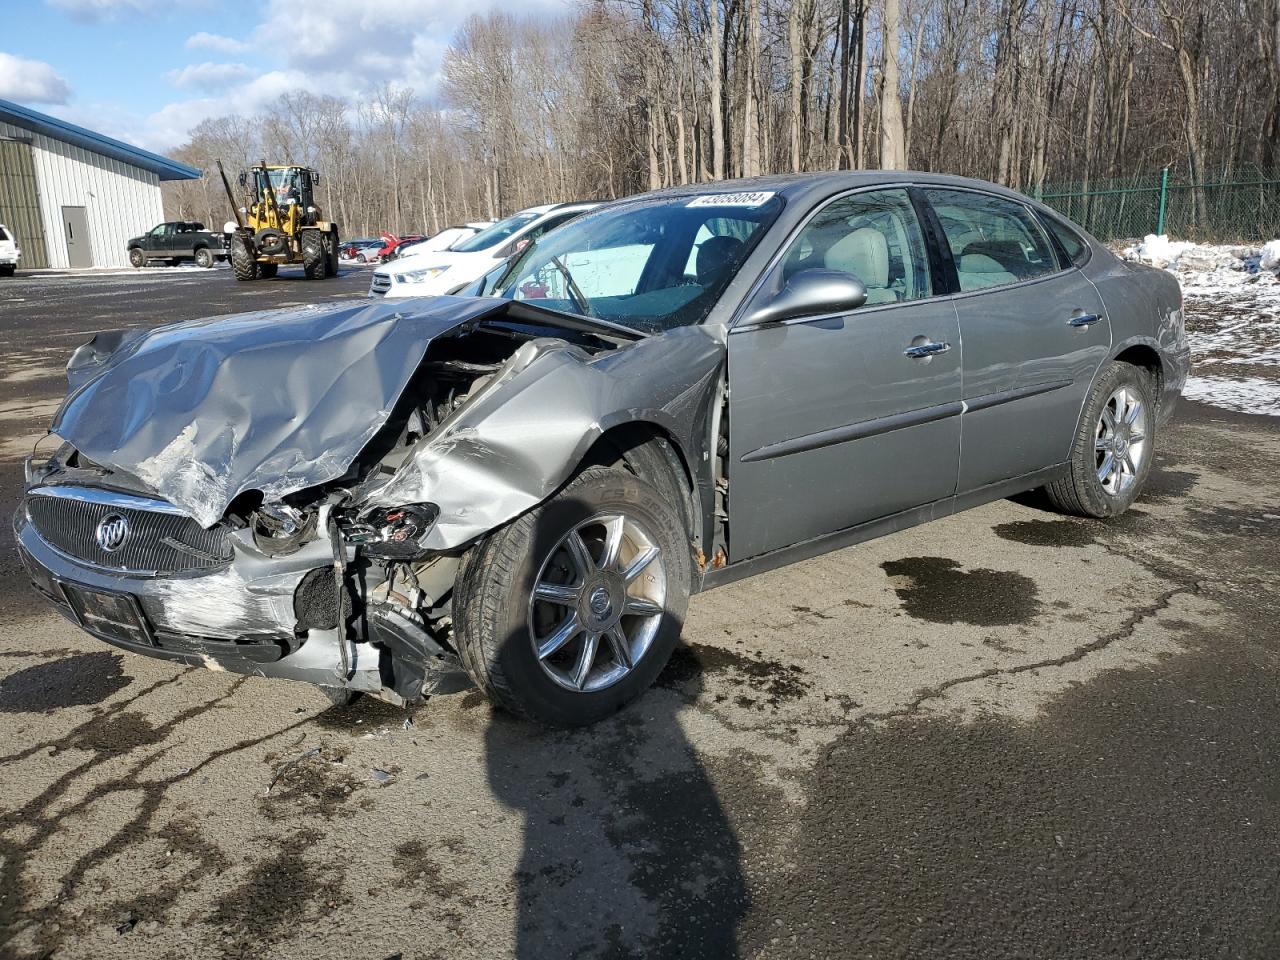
pixel 923 350
pixel 1084 320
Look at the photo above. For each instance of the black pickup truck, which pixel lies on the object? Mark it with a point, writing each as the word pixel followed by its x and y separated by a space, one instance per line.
pixel 176 241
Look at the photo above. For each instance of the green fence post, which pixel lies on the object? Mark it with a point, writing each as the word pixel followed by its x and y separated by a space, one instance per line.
pixel 1164 196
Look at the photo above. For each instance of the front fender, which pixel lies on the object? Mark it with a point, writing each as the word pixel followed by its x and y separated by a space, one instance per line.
pixel 527 431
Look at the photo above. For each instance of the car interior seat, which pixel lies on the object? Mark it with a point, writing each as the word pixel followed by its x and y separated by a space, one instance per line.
pixel 865 254
pixel 715 256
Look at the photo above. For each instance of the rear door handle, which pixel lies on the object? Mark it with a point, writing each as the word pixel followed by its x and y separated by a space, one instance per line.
pixel 922 350
pixel 1084 320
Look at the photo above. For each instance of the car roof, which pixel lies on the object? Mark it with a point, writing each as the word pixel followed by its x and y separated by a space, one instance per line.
pixel 794 185
pixel 544 209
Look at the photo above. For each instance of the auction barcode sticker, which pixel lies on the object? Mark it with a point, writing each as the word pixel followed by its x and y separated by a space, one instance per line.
pixel 753 199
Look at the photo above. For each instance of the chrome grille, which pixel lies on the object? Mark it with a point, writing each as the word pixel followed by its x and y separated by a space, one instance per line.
pixel 381 283
pixel 159 539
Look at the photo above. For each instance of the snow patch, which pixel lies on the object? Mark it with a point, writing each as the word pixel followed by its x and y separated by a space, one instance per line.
pixel 1244 395
pixel 1231 298
pixel 1270 256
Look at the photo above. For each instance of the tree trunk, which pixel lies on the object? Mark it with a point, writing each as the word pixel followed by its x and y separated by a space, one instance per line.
pixel 717 92
pixel 893 135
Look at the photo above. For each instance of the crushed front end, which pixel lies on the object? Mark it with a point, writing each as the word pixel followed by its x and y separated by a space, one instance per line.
pixel 276 593
pixel 195 514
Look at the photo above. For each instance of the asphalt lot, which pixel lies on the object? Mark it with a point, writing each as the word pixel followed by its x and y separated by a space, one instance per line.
pixel 1004 734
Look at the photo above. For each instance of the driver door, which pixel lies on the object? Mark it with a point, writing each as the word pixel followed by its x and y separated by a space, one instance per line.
pixel 842 419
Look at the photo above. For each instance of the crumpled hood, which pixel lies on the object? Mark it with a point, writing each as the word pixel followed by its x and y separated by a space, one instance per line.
pixel 276 401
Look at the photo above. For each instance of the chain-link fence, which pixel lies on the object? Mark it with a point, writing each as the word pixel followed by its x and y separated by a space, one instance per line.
pixel 1246 208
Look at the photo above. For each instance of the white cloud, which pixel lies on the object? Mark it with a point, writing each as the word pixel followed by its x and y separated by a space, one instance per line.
pixel 400 42
pixel 214 41
pixel 347 51
pixel 104 9
pixel 209 75
pixel 31 81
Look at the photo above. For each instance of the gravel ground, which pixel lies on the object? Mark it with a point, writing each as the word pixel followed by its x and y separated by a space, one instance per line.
pixel 1004 734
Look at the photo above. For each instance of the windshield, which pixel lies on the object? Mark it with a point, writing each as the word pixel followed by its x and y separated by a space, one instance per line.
pixel 492 236
pixel 650 265
pixel 283 182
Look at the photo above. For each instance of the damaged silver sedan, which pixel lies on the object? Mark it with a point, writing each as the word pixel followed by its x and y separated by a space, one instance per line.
pixel 667 394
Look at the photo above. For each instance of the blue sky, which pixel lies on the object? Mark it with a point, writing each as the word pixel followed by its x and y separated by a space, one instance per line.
pixel 147 71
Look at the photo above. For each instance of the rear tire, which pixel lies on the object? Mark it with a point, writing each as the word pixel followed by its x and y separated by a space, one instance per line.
pixel 313 256
pixel 534 654
pixel 330 255
pixel 1114 446
pixel 244 263
pixel 137 258
pixel 8 269
pixel 268 271
pixel 204 258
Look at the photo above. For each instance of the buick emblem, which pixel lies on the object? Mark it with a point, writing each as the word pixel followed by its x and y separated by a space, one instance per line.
pixel 112 532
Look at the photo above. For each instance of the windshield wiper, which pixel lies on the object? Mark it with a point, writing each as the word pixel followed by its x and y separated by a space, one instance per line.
pixel 614 333
pixel 579 301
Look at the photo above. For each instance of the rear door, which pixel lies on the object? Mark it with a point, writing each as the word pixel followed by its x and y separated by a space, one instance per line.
pixel 838 420
pixel 1035 332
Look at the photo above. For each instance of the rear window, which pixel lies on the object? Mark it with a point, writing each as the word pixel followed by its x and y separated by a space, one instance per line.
pixel 994 241
pixel 5 234
pixel 1076 249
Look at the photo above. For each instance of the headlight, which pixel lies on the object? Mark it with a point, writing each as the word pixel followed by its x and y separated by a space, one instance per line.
pixel 420 276
pixel 280 529
pixel 391 533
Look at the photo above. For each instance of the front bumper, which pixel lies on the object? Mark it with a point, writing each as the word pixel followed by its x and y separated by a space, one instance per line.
pixel 239 617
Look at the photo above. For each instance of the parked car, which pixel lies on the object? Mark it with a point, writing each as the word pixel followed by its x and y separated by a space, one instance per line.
pixel 390 244
pixel 10 252
pixel 665 395
pixel 442 240
pixel 436 272
pixel 176 241
pixel 351 249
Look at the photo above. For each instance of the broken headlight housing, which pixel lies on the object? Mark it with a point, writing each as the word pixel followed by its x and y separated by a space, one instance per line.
pixel 279 528
pixel 391 533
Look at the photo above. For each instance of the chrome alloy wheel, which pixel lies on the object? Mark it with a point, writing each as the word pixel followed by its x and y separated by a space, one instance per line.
pixel 597 603
pixel 1120 440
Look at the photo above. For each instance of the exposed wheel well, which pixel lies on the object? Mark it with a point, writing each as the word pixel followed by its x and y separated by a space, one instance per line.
pixel 650 452
pixel 1145 358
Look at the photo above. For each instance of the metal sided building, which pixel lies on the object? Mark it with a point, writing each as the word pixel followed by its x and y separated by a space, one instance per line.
pixel 74 197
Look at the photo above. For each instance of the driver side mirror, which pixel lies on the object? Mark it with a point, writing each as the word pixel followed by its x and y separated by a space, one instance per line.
pixel 811 293
pixel 244 179
pixel 315 176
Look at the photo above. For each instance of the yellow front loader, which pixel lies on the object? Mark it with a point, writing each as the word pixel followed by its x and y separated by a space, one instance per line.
pixel 280 224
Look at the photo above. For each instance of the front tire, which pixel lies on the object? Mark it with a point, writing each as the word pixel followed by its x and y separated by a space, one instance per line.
pixel 1114 445
pixel 137 258
pixel 8 269
pixel 244 262
pixel 571 611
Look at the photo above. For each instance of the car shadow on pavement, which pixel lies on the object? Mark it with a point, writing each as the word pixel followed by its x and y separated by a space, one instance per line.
pixel 627 849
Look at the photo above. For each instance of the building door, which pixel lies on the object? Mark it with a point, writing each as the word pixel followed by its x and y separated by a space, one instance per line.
pixel 75 228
